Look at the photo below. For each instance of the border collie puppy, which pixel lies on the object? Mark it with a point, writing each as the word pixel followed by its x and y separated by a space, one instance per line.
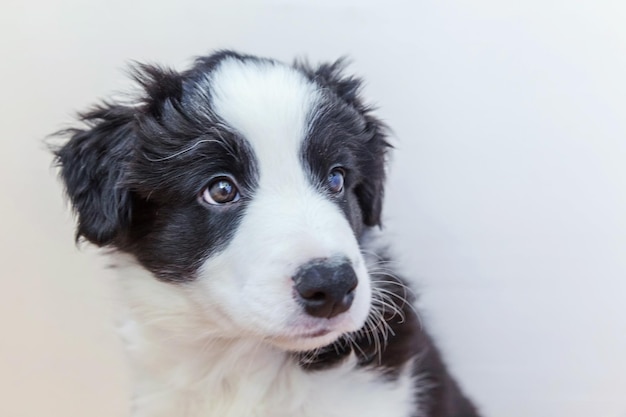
pixel 240 202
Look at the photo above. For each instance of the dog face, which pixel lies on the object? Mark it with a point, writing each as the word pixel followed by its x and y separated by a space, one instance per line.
pixel 244 180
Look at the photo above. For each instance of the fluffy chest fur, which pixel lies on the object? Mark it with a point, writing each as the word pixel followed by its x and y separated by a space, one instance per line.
pixel 212 377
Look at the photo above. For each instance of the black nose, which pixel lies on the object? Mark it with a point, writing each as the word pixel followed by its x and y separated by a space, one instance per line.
pixel 326 287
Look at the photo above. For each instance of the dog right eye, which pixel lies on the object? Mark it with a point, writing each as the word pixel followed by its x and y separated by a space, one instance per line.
pixel 220 191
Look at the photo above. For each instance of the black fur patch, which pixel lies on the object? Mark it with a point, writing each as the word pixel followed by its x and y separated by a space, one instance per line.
pixel 346 133
pixel 93 164
pixel 135 174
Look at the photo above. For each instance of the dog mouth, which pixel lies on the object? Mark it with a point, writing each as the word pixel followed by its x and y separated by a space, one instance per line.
pixel 302 342
pixel 316 333
pixel 309 334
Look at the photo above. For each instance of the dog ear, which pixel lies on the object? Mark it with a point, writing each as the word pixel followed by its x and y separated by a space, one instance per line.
pixel 370 191
pixel 92 165
pixel 348 88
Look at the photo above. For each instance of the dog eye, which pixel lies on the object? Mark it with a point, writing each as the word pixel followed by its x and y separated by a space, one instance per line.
pixel 221 191
pixel 335 180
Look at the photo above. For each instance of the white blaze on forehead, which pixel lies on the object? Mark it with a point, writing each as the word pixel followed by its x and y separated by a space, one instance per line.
pixel 268 103
pixel 289 221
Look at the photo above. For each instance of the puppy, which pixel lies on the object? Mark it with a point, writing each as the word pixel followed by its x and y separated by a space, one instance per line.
pixel 241 201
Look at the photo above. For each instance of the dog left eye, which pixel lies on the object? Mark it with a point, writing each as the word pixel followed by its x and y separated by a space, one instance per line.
pixel 336 180
pixel 221 191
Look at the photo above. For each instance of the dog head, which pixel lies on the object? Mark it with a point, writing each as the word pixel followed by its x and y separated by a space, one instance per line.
pixel 247 181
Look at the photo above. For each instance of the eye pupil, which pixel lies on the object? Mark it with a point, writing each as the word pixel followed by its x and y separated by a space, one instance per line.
pixel 336 180
pixel 221 191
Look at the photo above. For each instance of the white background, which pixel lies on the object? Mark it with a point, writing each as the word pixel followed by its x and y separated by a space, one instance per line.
pixel 507 197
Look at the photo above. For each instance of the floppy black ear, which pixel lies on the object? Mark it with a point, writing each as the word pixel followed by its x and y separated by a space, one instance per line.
pixel 370 191
pixel 92 166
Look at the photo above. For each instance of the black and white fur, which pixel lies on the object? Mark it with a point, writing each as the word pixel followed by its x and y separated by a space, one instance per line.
pixel 214 315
